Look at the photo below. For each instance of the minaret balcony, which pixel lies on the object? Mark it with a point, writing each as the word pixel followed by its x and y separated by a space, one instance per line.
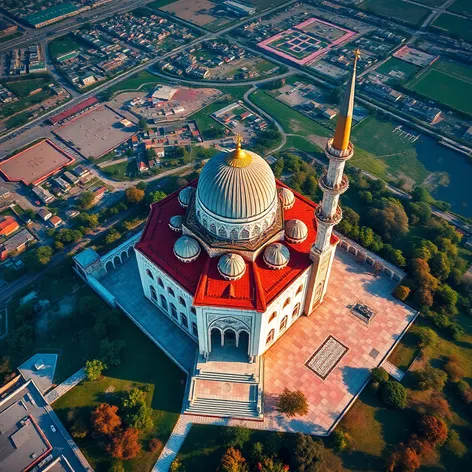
pixel 328 220
pixel 335 154
pixel 337 188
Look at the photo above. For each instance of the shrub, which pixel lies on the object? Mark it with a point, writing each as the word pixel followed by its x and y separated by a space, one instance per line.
pixel 117 467
pixel 401 292
pixel 394 394
pixel 79 429
pixel 292 403
pixel 439 406
pixel 464 391
pixel 233 461
pixel 94 369
pixel 431 378
pixel 237 436
pixel 427 337
pixel 154 444
pixel 380 375
pixel 454 445
pixel 433 430
pixel 308 454
pixel 403 458
pixel 340 440
pixel 454 369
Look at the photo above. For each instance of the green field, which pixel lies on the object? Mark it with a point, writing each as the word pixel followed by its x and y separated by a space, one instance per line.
pixel 160 3
pixel 454 26
pixel 397 65
pixel 22 88
pixel 144 81
pixel 291 120
pixel 301 144
pixel 447 83
pixel 161 376
pixel 396 9
pixel 63 45
pixel 463 7
pixel 4 39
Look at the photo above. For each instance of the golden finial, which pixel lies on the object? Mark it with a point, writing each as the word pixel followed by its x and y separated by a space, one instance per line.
pixel 239 157
pixel 357 54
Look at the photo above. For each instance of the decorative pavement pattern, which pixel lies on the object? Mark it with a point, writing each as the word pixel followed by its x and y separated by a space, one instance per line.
pixel 65 386
pixel 326 357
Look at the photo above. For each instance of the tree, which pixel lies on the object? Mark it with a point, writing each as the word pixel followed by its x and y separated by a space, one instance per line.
pixel 117 467
pixel 340 440
pixel 85 201
pixel 134 195
pixel 142 124
pixel 44 254
pixel 137 413
pixel 88 220
pixel 5 365
pixel 454 369
pixel 153 197
pixel 112 236
pixel 177 466
pixel 431 378
pixel 94 369
pixel 154 444
pixel 389 219
pixel 125 444
pixel 237 436
pixel 427 337
pixel 104 419
pixel 380 375
pixel 233 461
pixel 464 391
pixel 269 464
pixel 446 297
pixel 292 403
pixel 308 455
pixel 89 306
pixel 433 430
pixel 394 394
pixel 403 459
pixel 79 429
pixel 420 194
pixel 401 292
pixel 110 351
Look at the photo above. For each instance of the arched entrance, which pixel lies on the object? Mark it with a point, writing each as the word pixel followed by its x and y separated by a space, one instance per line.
pixel 229 338
pixel 229 345
pixel 216 338
pixel 243 341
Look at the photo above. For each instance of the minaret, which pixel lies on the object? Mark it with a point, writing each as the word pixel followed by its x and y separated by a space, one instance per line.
pixel 333 183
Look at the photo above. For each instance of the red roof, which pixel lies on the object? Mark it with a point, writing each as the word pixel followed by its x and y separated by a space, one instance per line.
pixel 255 290
pixel 73 110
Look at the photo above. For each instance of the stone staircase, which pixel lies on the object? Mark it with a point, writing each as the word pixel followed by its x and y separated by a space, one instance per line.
pixel 228 377
pixel 223 408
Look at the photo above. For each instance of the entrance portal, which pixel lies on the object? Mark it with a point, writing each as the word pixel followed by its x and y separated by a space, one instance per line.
pixel 229 346
pixel 229 338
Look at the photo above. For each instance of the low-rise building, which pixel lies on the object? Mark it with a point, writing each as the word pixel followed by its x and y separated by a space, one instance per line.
pixel 55 221
pixel 98 194
pixel 73 179
pixel 44 214
pixel 43 194
pixel 8 225
pixel 16 243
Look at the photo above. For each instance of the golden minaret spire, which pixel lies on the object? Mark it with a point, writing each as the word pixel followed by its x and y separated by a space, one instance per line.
pixel 344 124
pixel 238 157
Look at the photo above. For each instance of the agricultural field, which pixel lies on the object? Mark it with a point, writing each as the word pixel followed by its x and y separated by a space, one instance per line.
pixel 454 26
pixel 463 7
pixel 446 83
pixel 398 70
pixel 397 9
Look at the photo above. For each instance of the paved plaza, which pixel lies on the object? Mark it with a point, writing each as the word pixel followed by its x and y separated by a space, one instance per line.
pixel 125 285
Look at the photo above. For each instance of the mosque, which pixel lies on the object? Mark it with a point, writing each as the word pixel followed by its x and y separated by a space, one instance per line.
pixel 231 278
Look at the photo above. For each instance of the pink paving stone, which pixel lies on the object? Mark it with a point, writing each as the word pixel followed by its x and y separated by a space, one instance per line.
pixel 328 399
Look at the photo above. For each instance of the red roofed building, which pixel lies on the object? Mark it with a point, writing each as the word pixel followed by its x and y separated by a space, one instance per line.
pixel 8 226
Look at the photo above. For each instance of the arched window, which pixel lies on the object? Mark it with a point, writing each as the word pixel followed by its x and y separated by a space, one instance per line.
pixel 163 302
pixel 299 290
pixel 273 316
pixel 270 338
pixel 222 233
pixel 160 283
pixel 296 310
pixel 182 302
pixel 171 292
pixel 173 311
pixel 256 231
pixel 184 320
pixel 244 234
pixel 153 293
pixel 283 323
pixel 234 234
pixel 213 228
pixel 287 302
pixel 149 274
pixel 194 329
pixel 192 309
pixel 205 223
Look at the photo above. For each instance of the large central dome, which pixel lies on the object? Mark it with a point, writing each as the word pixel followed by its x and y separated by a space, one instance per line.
pixel 236 195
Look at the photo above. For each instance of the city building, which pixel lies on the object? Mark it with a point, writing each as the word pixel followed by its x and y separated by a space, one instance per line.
pixel 55 221
pixel 8 225
pixel 16 243
pixel 44 214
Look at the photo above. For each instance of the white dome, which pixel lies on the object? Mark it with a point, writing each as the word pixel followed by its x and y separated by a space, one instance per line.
pixel 236 189
pixel 175 223
pixel 295 231
pixel 231 266
pixel 276 256
pixel 185 196
pixel 288 199
pixel 186 249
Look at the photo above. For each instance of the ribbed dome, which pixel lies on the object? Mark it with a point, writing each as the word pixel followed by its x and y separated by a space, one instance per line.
pixel 288 199
pixel 237 188
pixel 185 196
pixel 295 231
pixel 175 223
pixel 231 266
pixel 186 249
pixel 276 256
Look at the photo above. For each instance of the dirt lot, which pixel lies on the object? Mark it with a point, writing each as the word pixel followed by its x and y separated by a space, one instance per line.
pixel 190 10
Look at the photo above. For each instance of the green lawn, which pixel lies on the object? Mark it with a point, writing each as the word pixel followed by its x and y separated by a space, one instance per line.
pixel 22 88
pixel 121 170
pixel 11 36
pixel 463 7
pixel 397 9
pixel 144 81
pixel 397 65
pixel 143 365
pixel 301 144
pixel 448 83
pixel 203 119
pixel 63 45
pixel 291 120
pixel 454 26
pixel 160 3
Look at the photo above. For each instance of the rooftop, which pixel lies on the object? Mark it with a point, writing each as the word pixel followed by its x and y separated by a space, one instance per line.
pixel 259 285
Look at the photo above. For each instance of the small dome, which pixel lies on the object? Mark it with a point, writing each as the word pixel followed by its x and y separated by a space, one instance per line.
pixel 231 266
pixel 295 231
pixel 175 223
pixel 185 196
pixel 276 256
pixel 186 249
pixel 288 199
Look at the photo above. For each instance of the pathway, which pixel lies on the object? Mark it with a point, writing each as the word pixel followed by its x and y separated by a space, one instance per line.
pixel 393 370
pixel 65 386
